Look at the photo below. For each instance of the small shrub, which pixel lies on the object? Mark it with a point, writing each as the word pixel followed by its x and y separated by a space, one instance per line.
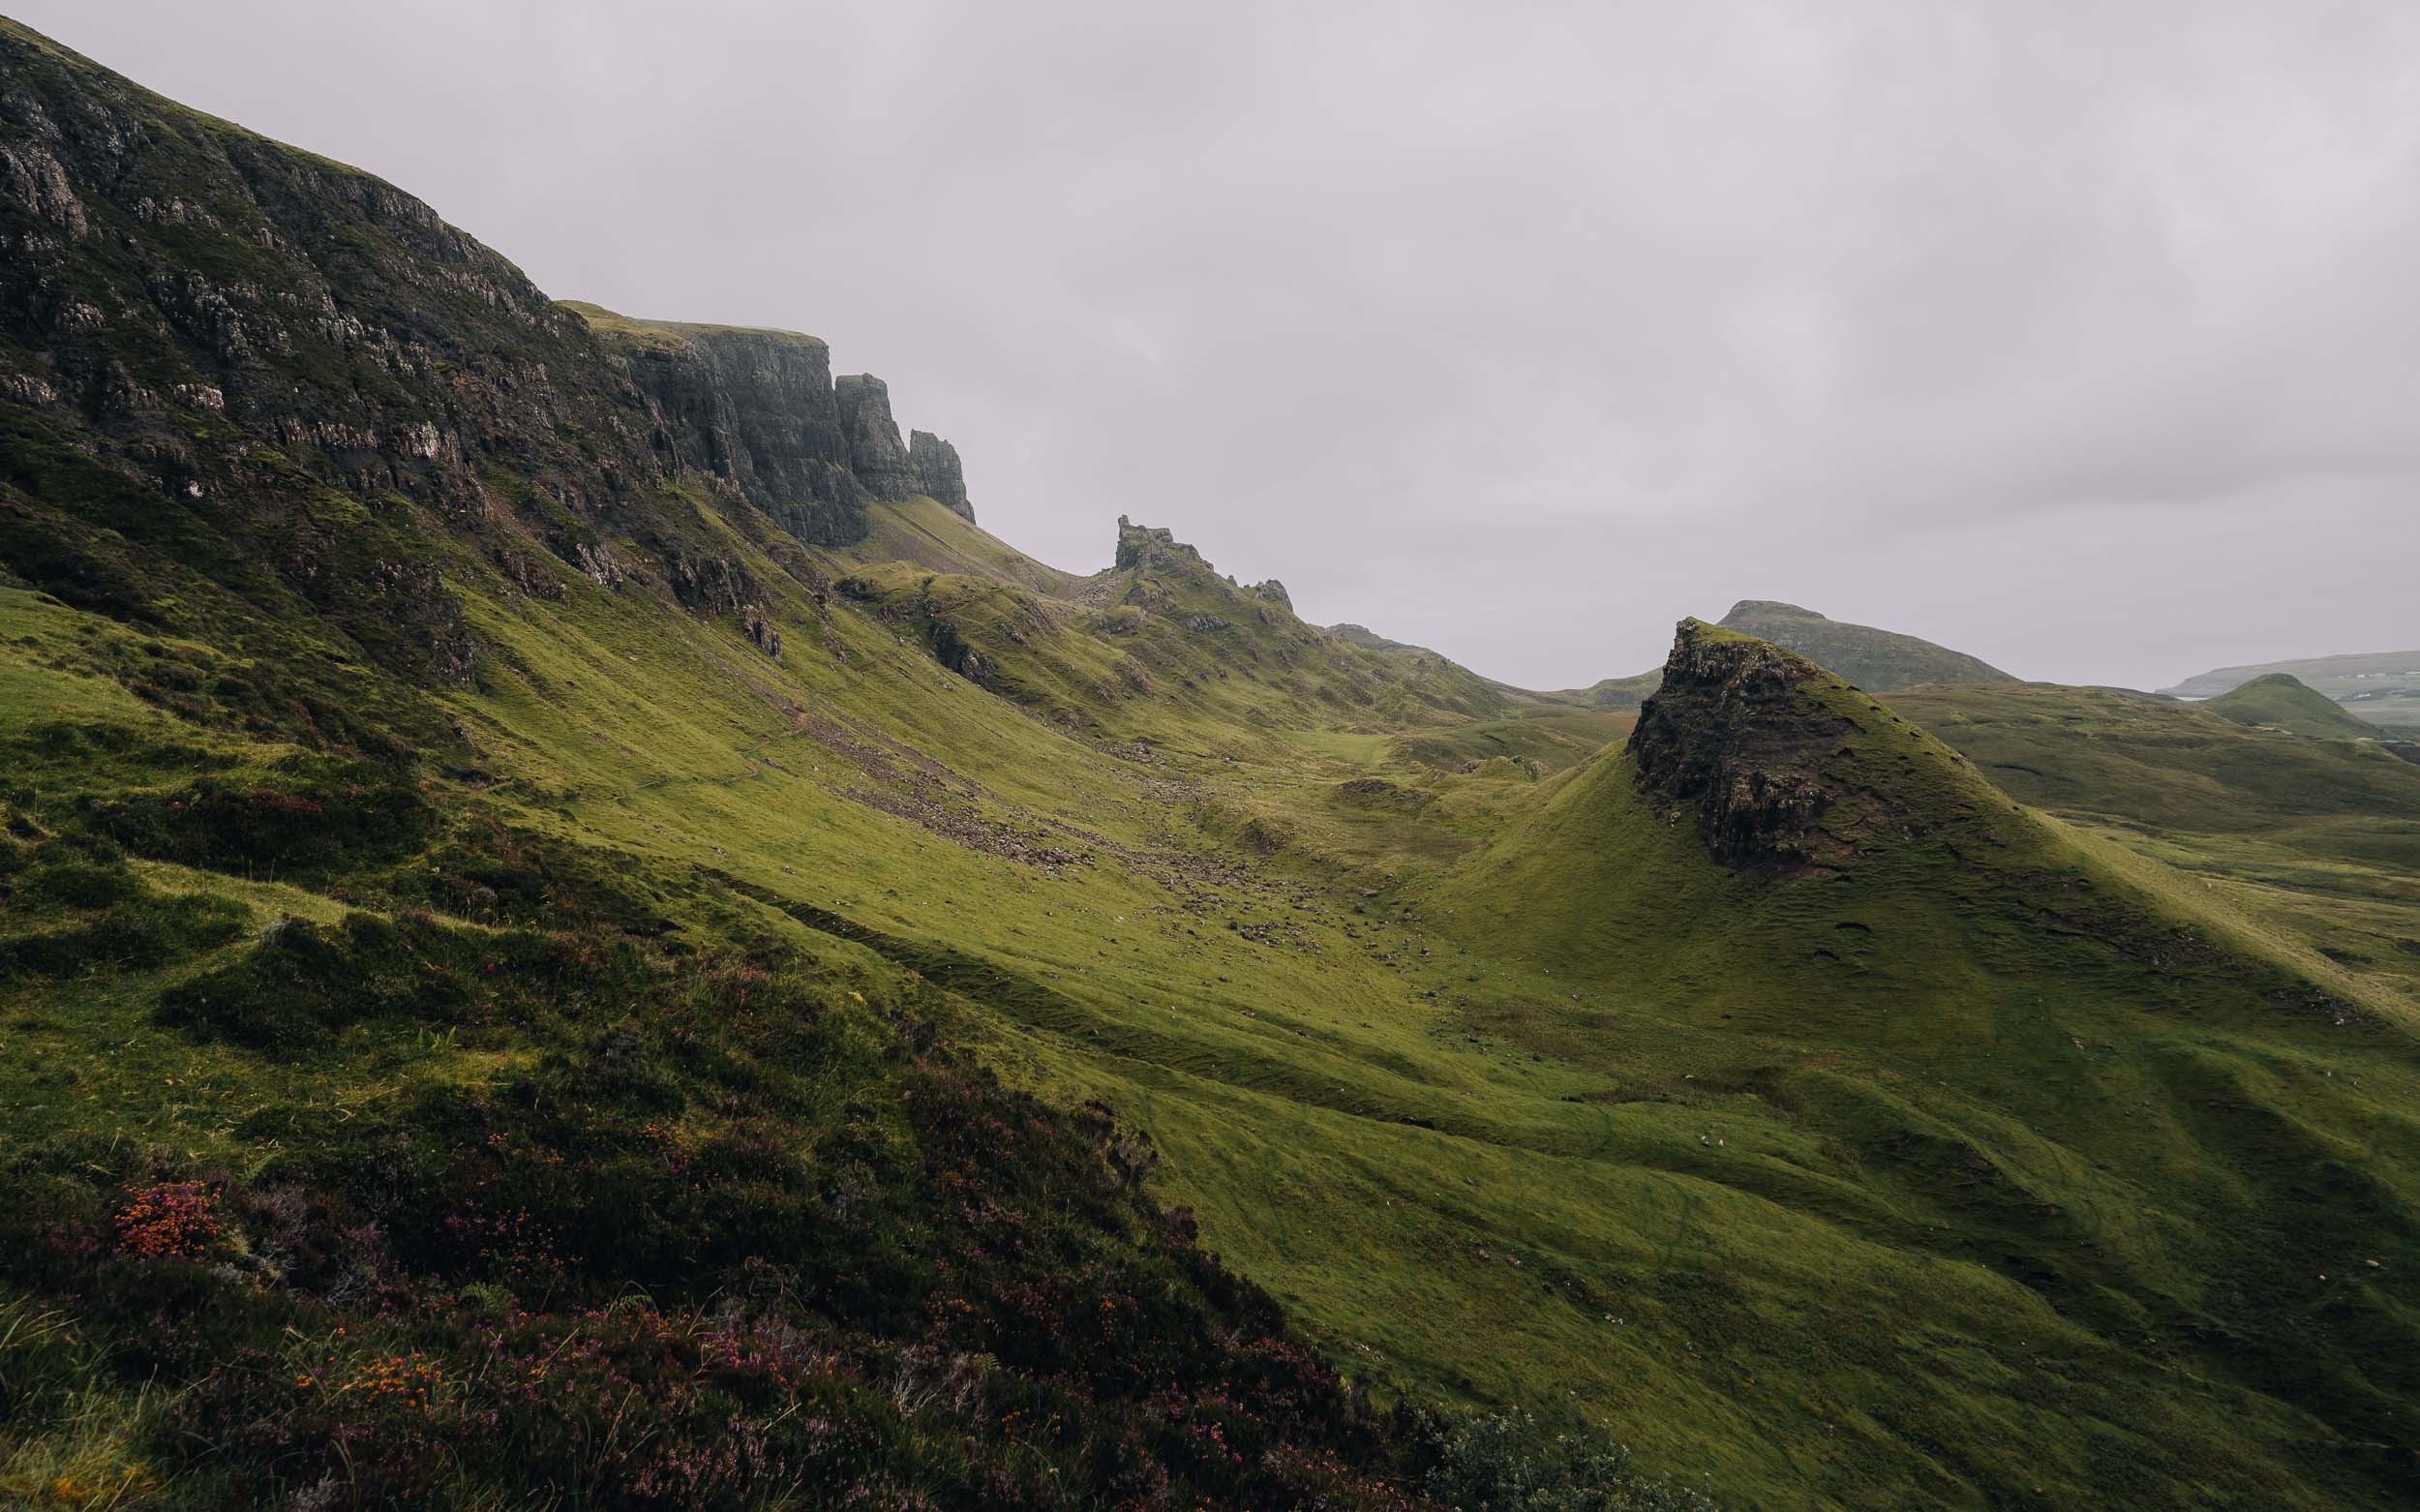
pixel 1502 1462
pixel 302 983
pixel 169 1219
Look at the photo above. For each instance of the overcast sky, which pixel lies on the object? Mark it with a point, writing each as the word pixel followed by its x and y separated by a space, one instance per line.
pixel 2082 337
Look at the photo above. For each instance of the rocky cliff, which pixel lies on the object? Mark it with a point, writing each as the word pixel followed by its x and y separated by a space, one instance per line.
pixel 753 407
pixel 1147 546
pixel 761 410
pixel 208 337
pixel 939 476
pixel 294 379
pixel 875 454
pixel 1726 739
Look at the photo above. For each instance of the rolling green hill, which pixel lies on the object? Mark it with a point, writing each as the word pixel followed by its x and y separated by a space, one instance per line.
pixel 1883 661
pixel 2380 687
pixel 576 933
pixel 2320 838
pixel 2281 701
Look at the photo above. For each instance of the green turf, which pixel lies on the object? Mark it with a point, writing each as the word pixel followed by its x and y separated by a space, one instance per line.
pixel 2278 701
pixel 2049 1142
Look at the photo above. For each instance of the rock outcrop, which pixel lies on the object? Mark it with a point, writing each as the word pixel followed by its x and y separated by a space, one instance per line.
pixel 235 330
pixel 939 476
pixel 1149 546
pixel 761 411
pixel 758 409
pixel 875 455
pixel 1728 739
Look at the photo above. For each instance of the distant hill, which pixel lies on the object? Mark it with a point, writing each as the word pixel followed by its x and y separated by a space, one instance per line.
pixel 2285 701
pixel 1611 692
pixel 2382 687
pixel 1881 661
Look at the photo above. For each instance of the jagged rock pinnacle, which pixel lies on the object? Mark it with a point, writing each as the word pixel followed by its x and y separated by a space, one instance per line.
pixel 875 455
pixel 938 474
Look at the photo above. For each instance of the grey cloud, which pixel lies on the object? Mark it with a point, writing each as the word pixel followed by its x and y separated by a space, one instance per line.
pixel 2078 336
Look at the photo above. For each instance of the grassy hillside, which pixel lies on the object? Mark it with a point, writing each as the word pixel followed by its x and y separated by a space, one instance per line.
pixel 2380 687
pixel 2279 701
pixel 540 982
pixel 1880 660
pixel 1960 1030
pixel 922 533
pixel 2319 837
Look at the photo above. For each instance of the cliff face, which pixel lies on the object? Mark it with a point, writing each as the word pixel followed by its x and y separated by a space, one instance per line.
pixel 761 410
pixel 1728 739
pixel 291 376
pixel 939 476
pixel 198 316
pixel 875 455
pixel 756 408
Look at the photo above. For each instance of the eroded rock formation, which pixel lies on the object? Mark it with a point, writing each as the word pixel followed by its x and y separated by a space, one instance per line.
pixel 758 409
pixel 1728 739
pixel 875 455
pixel 939 476
pixel 1149 546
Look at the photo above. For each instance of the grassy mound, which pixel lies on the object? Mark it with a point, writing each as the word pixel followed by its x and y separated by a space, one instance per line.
pixel 2281 701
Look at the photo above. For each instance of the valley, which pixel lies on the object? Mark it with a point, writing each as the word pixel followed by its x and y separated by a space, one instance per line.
pixel 536 834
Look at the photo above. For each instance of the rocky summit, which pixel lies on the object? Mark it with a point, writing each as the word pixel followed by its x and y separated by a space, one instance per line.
pixel 1726 737
pixel 574 932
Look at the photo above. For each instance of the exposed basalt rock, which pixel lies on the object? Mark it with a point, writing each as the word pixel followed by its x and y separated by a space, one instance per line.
pixel 526 574
pixel 245 328
pixel 1147 547
pixel 951 650
pixel 758 409
pixel 598 563
pixel 1275 592
pixel 939 475
pixel 761 629
pixel 720 586
pixel 715 585
pixel 1728 739
pixel 875 455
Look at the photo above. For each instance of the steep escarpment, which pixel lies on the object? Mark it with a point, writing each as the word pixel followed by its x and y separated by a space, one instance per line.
pixel 939 474
pixel 232 375
pixel 279 372
pixel 753 407
pixel 762 410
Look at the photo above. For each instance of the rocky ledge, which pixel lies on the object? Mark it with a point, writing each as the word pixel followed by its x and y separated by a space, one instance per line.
pixel 1147 546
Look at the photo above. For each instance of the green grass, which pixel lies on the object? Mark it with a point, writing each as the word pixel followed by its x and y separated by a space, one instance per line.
pixel 2320 838
pixel 2050 1141
pixel 1813 1190
pixel 2280 702
pixel 1878 660
pixel 665 333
